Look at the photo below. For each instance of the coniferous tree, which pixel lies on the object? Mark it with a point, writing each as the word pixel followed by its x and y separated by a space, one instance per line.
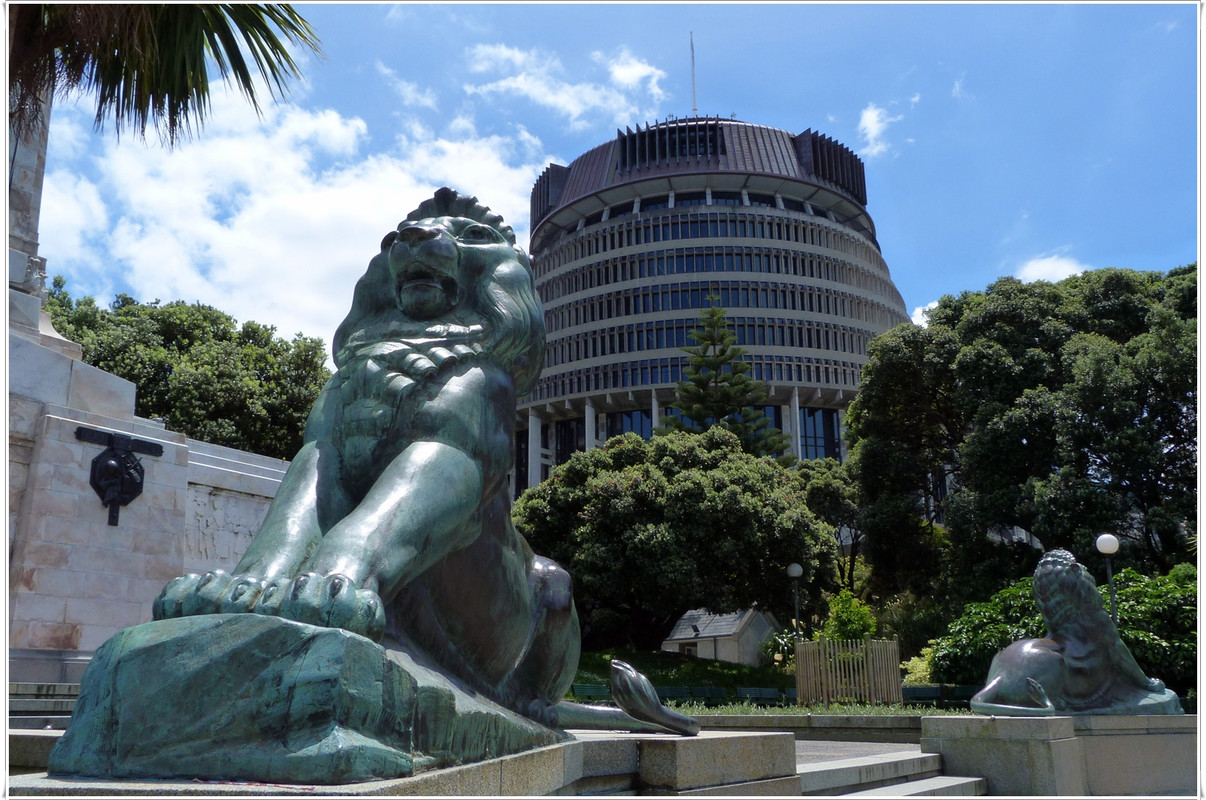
pixel 718 390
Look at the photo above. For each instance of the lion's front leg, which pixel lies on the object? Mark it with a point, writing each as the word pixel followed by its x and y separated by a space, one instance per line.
pixel 421 508
pixel 288 536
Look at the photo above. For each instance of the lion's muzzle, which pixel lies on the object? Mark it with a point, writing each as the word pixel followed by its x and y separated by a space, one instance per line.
pixel 425 263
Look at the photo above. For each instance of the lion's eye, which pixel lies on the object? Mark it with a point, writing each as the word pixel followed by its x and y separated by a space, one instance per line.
pixel 480 234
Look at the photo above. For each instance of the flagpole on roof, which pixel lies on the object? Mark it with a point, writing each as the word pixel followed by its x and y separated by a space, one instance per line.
pixel 694 107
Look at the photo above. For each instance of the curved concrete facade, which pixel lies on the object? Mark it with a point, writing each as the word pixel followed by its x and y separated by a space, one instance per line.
pixel 632 238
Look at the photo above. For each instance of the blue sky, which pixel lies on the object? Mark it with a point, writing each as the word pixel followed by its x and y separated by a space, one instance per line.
pixel 1030 140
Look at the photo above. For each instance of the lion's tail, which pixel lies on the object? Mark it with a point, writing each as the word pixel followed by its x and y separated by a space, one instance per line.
pixel 639 708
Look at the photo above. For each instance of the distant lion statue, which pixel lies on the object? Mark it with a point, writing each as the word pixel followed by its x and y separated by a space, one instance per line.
pixel 393 521
pixel 1080 667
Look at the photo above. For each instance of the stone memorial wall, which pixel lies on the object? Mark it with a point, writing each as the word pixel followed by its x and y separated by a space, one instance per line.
pixel 74 578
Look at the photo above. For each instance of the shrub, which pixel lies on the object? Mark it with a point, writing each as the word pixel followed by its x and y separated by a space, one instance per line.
pixel 849 618
pixel 918 669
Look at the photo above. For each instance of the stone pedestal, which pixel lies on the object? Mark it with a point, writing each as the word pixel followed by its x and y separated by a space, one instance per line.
pixel 250 697
pixel 1086 755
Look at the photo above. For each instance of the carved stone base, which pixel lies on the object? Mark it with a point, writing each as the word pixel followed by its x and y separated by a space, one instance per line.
pixel 251 697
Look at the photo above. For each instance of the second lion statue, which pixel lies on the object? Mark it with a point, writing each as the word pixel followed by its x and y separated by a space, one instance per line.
pixel 393 521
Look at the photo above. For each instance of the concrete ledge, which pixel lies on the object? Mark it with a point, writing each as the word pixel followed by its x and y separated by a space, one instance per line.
pixel 608 762
pixel 30 749
pixel 1084 755
pixel 713 760
pixel 1140 755
pixel 822 727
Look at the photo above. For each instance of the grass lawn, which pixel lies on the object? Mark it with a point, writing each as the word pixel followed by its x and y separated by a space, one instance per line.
pixel 674 669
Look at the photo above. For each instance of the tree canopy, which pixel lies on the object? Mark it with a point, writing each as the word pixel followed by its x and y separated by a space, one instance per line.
pixel 651 530
pixel 147 63
pixel 1059 411
pixel 198 370
pixel 717 389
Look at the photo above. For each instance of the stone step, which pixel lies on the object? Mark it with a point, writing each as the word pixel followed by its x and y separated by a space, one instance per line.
pixel 43 690
pixel 937 786
pixel 39 722
pixel 866 772
pixel 40 705
pixel 30 750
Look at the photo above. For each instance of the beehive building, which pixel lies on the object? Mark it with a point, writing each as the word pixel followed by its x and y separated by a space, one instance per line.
pixel 631 240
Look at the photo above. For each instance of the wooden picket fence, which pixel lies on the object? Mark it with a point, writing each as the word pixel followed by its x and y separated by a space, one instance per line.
pixel 851 671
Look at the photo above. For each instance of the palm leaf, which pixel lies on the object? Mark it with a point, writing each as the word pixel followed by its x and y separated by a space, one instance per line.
pixel 150 64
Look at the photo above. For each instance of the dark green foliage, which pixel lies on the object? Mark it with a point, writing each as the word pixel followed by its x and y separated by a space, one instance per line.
pixel 832 495
pixel 650 530
pixel 1058 410
pixel 718 390
pixel 195 368
pixel 1157 620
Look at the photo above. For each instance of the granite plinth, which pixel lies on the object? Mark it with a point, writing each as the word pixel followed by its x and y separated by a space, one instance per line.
pixel 592 762
pixel 256 698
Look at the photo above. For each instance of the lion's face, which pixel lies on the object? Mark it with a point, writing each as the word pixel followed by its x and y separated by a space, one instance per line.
pixel 434 263
pixel 450 274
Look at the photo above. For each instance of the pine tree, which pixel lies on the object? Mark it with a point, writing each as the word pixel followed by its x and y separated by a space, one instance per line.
pixel 718 390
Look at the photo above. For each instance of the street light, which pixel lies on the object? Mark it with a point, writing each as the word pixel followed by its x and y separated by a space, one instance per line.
pixel 794 571
pixel 1107 545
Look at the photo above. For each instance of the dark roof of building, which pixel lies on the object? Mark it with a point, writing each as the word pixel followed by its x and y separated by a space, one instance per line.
pixel 702 145
pixel 699 624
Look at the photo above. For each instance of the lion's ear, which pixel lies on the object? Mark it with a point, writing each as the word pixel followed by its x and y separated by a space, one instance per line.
pixel 389 239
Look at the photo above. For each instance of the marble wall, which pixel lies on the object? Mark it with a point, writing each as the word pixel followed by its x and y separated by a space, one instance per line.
pixel 74 579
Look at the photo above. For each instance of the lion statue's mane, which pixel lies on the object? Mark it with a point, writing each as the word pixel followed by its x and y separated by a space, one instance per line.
pixel 511 327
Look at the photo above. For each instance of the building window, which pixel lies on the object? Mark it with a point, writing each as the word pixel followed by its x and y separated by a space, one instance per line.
pixel 820 435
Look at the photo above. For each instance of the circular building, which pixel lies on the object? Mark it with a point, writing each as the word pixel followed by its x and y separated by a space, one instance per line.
pixel 636 237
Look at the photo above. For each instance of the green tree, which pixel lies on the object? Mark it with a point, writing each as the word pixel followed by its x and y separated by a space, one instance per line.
pixel 832 494
pixel 147 64
pixel 1055 410
pixel 651 530
pixel 849 618
pixel 717 389
pixel 198 370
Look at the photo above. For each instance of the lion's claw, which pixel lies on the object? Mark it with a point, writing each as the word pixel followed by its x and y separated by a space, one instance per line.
pixel 331 601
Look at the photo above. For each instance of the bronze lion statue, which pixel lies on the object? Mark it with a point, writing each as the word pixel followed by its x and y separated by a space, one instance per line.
pixel 1080 667
pixel 393 521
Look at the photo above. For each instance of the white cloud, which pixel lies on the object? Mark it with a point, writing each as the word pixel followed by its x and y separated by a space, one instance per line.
pixel 915 99
pixel 631 72
pixel 959 92
pixel 1051 268
pixel 873 124
pixel 272 220
pixel 537 77
pixel 919 315
pixel 410 92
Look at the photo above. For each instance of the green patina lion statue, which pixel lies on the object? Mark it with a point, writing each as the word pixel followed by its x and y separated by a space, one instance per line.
pixel 393 521
pixel 1080 667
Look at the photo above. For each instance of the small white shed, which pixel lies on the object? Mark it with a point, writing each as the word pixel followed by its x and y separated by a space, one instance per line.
pixel 735 637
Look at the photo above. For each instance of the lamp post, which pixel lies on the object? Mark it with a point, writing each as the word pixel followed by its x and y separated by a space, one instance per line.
pixel 794 571
pixel 1107 545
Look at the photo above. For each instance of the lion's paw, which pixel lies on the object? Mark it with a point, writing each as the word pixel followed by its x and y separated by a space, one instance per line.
pixel 331 601
pixel 214 592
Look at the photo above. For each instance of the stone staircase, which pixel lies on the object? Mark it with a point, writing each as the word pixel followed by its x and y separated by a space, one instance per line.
pixel 41 706
pixel 904 774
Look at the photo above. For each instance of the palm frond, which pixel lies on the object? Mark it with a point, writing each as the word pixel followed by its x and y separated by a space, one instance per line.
pixel 149 65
